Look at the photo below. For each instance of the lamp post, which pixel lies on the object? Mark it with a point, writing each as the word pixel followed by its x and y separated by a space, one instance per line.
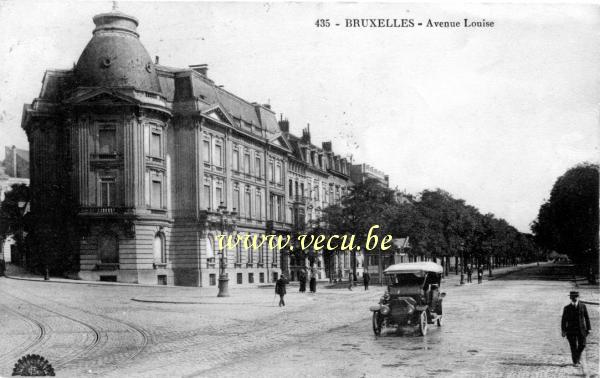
pixel 461 247
pixel 223 278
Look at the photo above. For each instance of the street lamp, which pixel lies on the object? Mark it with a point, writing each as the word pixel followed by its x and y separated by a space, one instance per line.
pixel 223 278
pixel 461 247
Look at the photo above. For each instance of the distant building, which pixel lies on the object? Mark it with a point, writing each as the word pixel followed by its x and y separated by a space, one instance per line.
pixel 16 162
pixel 359 173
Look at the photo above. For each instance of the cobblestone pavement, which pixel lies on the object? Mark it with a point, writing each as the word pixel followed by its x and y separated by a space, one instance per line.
pixel 505 327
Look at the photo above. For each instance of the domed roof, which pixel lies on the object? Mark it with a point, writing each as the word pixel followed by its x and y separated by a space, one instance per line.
pixel 115 57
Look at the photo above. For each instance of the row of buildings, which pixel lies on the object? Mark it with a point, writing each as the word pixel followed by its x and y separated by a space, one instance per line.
pixel 153 162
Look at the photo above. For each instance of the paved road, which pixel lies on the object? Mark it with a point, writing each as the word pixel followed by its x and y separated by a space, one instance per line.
pixel 505 327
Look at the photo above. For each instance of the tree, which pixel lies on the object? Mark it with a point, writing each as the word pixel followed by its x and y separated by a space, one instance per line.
pixel 568 221
pixel 368 203
pixel 12 219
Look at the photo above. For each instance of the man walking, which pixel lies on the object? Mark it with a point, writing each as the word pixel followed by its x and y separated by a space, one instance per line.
pixel 479 274
pixel 575 325
pixel 366 279
pixel 280 289
pixel 469 273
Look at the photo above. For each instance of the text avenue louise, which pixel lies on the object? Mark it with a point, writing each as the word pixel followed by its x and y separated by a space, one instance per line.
pixel 404 23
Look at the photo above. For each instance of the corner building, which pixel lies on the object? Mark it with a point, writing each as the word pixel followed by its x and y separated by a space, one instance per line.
pixel 145 157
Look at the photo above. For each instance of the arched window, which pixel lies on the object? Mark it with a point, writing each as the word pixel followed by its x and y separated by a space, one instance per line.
pixel 158 247
pixel 211 251
pixel 108 249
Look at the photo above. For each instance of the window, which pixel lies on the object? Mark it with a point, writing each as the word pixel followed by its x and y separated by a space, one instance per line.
pixel 275 254
pixel 250 277
pixel 261 277
pixel 212 278
pixel 155 145
pixel 258 205
pixel 158 247
pixel 219 197
pixel 257 166
pixel 290 186
pixel 238 254
pixel 296 188
pixel 272 207
pixel 218 155
pixel 108 249
pixel 279 209
pixel 206 196
pixel 107 191
pixel 271 171
pixel 278 176
pixel 210 249
pixel 250 254
pixel 236 199
pixel 261 253
pixel 107 141
pixel 247 163
pixel 206 151
pixel 236 160
pixel 156 198
pixel 247 204
pixel 239 278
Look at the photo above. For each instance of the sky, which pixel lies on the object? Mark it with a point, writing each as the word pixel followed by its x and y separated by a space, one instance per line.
pixel 491 115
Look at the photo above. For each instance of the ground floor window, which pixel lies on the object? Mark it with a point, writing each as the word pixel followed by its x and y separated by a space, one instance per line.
pixel 212 278
pixel 239 278
pixel 261 277
pixel 108 249
pixel 250 277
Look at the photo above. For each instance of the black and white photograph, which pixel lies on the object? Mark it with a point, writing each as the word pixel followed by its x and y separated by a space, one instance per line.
pixel 299 189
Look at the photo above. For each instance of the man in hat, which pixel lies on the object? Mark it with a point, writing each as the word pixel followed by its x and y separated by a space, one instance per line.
pixel 280 289
pixel 575 325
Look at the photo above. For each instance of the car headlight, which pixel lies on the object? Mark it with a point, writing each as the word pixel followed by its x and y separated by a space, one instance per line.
pixel 385 310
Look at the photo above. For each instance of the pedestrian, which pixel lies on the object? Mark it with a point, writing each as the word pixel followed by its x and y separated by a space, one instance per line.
pixel 469 274
pixel 313 284
pixel 350 281
pixel 302 279
pixel 280 289
pixel 575 325
pixel 366 279
pixel 479 274
pixel 2 267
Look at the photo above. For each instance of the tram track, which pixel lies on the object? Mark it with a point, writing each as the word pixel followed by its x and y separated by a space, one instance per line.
pixel 40 338
pixel 99 337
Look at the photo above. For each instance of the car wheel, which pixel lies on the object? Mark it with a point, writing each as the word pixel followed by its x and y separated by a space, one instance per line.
pixel 439 321
pixel 376 324
pixel 423 323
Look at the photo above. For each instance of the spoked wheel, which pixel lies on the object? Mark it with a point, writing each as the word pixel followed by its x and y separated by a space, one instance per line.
pixel 423 323
pixel 439 321
pixel 376 324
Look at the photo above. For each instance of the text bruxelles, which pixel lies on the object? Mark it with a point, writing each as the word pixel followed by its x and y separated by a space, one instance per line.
pixel 314 242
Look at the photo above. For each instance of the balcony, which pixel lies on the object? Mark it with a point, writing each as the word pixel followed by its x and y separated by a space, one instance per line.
pixel 300 200
pixel 105 210
pixel 106 156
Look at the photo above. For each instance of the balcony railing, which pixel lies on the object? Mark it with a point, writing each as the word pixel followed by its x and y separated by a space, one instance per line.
pixel 106 156
pixel 105 209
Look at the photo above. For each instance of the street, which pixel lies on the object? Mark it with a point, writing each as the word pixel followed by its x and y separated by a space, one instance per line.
pixel 509 326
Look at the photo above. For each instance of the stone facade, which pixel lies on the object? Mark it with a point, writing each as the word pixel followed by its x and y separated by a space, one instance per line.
pixel 149 164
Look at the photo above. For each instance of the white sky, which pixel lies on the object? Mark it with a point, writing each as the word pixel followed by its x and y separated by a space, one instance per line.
pixel 493 115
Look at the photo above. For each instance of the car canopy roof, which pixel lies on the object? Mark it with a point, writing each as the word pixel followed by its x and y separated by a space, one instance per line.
pixel 423 266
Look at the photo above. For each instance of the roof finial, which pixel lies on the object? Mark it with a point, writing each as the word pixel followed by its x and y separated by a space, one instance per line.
pixel 115 6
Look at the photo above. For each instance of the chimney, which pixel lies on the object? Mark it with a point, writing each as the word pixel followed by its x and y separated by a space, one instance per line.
pixel 284 125
pixel 327 146
pixel 156 59
pixel 306 134
pixel 202 69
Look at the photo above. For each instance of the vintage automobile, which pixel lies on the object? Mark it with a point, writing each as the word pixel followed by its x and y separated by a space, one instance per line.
pixel 412 297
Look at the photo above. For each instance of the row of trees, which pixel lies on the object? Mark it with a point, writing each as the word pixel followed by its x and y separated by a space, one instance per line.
pixel 439 226
pixel 568 221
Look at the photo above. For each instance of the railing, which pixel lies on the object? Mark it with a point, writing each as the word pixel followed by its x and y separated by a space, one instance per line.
pixel 155 159
pixel 106 156
pixel 159 265
pixel 105 209
pixel 299 199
